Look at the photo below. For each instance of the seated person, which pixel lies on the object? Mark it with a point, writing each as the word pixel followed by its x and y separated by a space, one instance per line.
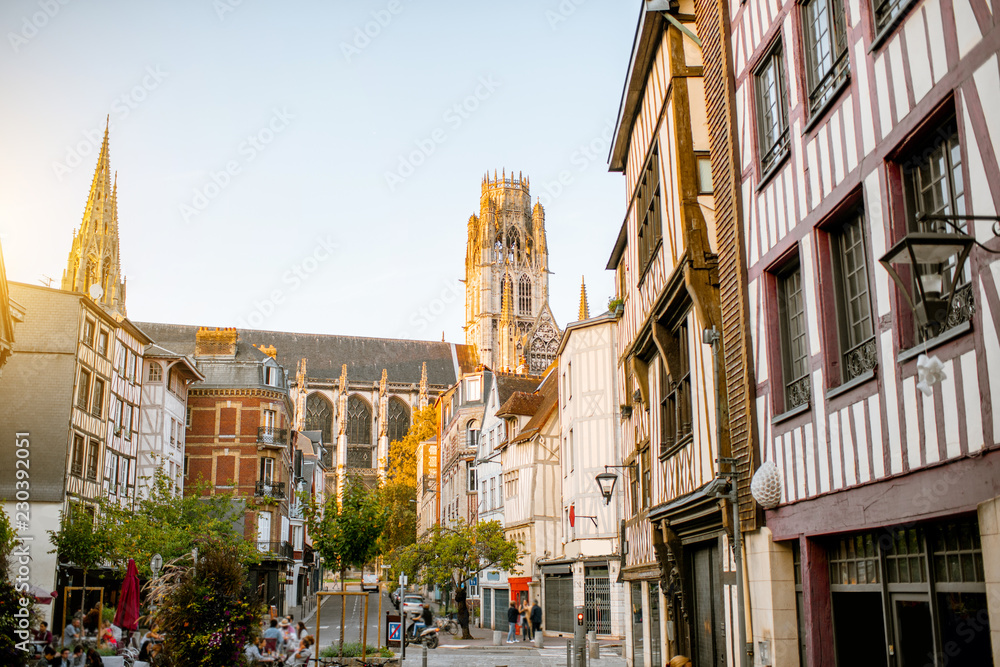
pixel 65 657
pixel 78 659
pixel 304 654
pixel 72 633
pixel 51 658
pixel 253 651
pixel 106 636
pixel 152 643
pixel 416 626
pixel 42 634
pixel 276 634
pixel 94 658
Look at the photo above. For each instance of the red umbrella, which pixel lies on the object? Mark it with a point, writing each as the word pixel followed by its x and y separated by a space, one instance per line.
pixel 127 614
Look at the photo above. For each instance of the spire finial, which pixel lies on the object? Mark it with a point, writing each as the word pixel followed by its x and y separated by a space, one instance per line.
pixel 584 307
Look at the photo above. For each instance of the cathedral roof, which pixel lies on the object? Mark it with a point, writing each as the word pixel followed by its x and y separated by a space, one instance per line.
pixel 365 357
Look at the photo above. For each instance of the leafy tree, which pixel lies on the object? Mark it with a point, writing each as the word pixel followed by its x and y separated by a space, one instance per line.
pixel 82 540
pixel 349 534
pixel 172 525
pixel 208 610
pixel 450 556
pixel 14 638
pixel 400 490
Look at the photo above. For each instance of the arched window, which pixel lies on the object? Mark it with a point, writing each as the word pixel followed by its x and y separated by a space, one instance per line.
pixel 524 295
pixel 359 421
pixel 155 372
pixel 472 434
pixel 399 419
pixel 319 417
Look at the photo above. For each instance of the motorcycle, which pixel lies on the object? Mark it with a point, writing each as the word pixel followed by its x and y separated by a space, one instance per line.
pixel 428 637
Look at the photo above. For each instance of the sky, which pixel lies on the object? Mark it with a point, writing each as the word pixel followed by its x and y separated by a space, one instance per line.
pixel 310 166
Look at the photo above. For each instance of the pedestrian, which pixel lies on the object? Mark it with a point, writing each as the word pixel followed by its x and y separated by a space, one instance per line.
pixel 523 612
pixel 536 618
pixel 512 616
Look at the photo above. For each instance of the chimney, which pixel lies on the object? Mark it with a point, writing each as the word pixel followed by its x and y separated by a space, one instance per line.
pixel 215 342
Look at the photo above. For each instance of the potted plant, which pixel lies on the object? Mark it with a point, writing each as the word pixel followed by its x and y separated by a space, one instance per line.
pixel 616 306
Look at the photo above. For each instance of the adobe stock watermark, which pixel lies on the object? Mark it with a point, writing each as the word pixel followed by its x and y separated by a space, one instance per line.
pixel 292 279
pixel 223 7
pixel 121 107
pixel 364 34
pixel 248 150
pixel 586 154
pixel 20 555
pixel 453 118
pixel 32 25
pixel 423 317
pixel 563 11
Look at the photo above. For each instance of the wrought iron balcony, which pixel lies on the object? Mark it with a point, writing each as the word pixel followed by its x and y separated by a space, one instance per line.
pixel 275 550
pixel 268 435
pixel 267 489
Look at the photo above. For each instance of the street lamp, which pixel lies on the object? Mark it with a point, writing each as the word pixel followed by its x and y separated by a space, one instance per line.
pixel 606 481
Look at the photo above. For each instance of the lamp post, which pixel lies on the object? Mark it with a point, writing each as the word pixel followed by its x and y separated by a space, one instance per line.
pixel 606 481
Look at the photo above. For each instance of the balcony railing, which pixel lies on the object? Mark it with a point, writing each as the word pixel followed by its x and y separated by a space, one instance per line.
pixel 269 489
pixel 268 435
pixel 272 550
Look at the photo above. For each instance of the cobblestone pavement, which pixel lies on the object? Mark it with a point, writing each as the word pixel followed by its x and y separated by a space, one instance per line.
pixel 484 654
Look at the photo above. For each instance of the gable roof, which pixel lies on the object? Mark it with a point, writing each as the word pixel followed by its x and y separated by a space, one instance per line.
pixel 547 397
pixel 509 383
pixel 365 357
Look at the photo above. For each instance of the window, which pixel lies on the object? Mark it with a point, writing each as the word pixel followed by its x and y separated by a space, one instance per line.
pixel 886 12
pixel 319 416
pixel 794 346
pixel 470 472
pixel 648 211
pixel 124 465
pixel 92 459
pixel 473 390
pixel 88 331
pixel 647 479
pixel 297 538
pixel 524 295
pixel 112 473
pixel 97 404
pixel 934 185
pixel 79 446
pixel 187 417
pixel 267 470
pixel 854 316
pixel 83 390
pixel 825 41
pixel 359 421
pixel 173 432
pixel 127 421
pixel 510 484
pixel 705 186
pixel 131 366
pixel 569 380
pixel 399 419
pixel 186 465
pixel 493 488
pixel 155 372
pixel 569 452
pixel 102 342
pixel 472 435
pixel 271 376
pixel 675 392
pixel 772 115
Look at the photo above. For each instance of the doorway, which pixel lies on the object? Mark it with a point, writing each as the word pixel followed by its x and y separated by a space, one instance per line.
pixel 914 630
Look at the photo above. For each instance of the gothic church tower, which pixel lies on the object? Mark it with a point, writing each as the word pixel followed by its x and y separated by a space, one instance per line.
pixel 507 313
pixel 93 267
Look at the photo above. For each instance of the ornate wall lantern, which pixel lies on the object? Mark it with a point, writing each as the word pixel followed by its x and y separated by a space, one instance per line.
pixel 606 481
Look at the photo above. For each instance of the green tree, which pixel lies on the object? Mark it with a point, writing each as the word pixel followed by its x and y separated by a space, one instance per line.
pixel 172 525
pixel 449 556
pixel 208 610
pixel 15 618
pixel 349 533
pixel 400 489
pixel 82 539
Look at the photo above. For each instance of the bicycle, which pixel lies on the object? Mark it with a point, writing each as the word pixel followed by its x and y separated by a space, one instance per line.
pixel 449 625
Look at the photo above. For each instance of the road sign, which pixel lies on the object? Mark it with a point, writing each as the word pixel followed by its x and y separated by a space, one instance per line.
pixel 403 580
pixel 395 631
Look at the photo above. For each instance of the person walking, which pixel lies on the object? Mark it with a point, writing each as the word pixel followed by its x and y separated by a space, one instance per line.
pixel 512 617
pixel 536 618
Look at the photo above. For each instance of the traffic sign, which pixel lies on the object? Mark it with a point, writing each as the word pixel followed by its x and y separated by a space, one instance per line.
pixel 395 631
pixel 403 580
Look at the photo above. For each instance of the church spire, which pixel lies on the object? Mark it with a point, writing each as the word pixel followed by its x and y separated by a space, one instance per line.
pixel 584 307
pixel 93 265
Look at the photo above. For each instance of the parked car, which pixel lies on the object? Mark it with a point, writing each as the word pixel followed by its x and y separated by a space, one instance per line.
pixel 413 604
pixel 394 597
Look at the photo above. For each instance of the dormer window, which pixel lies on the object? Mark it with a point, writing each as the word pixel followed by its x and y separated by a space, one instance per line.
pixel 271 376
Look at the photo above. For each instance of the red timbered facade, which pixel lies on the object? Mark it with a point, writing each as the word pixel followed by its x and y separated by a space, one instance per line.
pixel 855 118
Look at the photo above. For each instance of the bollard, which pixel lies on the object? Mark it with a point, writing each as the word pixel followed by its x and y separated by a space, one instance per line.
pixel 569 653
pixel 423 656
pixel 595 648
pixel 539 640
pixel 498 638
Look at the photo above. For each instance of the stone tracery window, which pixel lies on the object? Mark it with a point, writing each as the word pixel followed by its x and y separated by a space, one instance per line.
pixel 524 295
pixel 399 419
pixel 319 417
pixel 359 421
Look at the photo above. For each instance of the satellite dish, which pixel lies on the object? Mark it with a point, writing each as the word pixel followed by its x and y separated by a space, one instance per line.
pixel 96 291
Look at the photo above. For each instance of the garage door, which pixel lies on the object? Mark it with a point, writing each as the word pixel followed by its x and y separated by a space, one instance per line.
pixel 558 603
pixel 500 604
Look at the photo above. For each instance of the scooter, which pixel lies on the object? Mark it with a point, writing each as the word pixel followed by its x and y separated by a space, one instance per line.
pixel 428 637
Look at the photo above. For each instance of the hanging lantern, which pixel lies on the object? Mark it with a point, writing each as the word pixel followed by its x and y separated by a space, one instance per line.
pixel 765 487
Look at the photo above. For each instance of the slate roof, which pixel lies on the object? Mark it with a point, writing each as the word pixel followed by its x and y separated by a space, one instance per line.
pixel 520 403
pixel 508 383
pixel 548 397
pixel 365 357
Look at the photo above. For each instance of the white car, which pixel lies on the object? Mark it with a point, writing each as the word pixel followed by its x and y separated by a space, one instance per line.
pixel 413 604
pixel 369 582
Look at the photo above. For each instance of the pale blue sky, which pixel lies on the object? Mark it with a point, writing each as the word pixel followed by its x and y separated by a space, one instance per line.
pixel 376 147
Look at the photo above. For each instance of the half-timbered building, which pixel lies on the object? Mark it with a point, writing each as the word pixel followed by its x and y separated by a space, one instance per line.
pixel 860 123
pixel 678 564
pixel 584 570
